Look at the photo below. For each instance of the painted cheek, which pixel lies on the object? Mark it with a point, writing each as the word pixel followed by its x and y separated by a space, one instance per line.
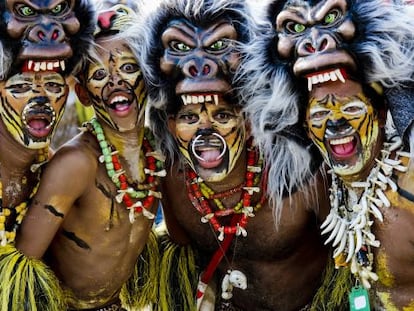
pixel 185 132
pixel 318 131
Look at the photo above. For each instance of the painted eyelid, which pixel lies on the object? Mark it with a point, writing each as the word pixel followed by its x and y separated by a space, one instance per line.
pixel 318 110
pixel 354 104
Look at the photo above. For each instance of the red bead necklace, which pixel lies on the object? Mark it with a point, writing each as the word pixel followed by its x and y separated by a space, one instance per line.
pixel 202 202
pixel 147 191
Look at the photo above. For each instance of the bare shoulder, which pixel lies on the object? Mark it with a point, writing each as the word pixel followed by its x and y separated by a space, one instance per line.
pixel 73 166
pixel 77 155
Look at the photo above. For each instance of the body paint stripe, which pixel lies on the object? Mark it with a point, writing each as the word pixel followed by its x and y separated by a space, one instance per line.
pixel 53 210
pixel 79 242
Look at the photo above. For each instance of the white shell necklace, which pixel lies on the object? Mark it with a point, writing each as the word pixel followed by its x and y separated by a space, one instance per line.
pixel 349 223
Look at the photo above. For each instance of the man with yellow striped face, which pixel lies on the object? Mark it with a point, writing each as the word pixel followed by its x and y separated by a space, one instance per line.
pixel 344 125
pixel 115 86
pixel 210 136
pixel 32 103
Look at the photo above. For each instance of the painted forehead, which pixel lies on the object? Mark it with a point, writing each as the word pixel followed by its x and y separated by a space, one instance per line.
pixel 111 50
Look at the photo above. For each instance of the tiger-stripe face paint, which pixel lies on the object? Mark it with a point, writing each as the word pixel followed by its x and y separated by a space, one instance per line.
pixel 342 122
pixel 31 106
pixel 116 86
pixel 210 136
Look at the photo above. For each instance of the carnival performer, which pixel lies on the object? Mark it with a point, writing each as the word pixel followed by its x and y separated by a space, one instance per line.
pixel 332 43
pixel 216 178
pixel 370 189
pixel 93 213
pixel 33 95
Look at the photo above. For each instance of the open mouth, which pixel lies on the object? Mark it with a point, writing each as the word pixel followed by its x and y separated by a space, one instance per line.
pixel 120 103
pixel 39 119
pixel 343 148
pixel 209 150
pixel 325 76
pixel 189 99
pixel 45 65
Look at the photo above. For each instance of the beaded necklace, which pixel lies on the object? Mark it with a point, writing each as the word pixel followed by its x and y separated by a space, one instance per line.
pixel 200 196
pixel 349 223
pixel 146 192
pixel 7 229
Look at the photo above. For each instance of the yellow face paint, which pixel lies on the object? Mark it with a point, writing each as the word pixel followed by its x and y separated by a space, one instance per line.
pixel 116 86
pixel 32 103
pixel 211 137
pixel 342 122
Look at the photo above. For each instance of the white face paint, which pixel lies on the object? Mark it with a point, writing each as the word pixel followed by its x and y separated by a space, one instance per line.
pixel 32 104
pixel 211 137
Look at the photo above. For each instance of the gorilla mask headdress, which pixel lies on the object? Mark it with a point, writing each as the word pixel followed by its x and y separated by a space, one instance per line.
pixel 46 35
pixel 310 41
pixel 192 68
pixel 43 41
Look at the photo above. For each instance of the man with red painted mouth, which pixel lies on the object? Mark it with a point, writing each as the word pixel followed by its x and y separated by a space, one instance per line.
pixel 371 190
pixel 344 125
pixel 32 105
pixel 210 136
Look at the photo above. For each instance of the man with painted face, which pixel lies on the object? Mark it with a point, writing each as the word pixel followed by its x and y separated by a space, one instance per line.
pixel 31 106
pixel 371 191
pixel 94 209
pixel 32 100
pixel 216 182
pixel 306 43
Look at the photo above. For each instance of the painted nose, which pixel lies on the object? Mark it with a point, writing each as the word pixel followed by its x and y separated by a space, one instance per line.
pixel 337 126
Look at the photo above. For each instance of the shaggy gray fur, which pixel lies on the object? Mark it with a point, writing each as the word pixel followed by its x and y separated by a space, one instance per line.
pixel 275 100
pixel 146 42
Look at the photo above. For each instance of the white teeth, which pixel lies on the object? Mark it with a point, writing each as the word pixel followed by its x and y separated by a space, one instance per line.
pixel 183 98
pixel 199 99
pixel 45 65
pixel 62 65
pixel 333 75
pixel 340 76
pixel 119 99
pixel 342 141
pixel 216 99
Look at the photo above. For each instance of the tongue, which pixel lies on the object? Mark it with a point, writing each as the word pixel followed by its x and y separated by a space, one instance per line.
pixel 38 128
pixel 210 155
pixel 210 158
pixel 121 107
pixel 37 124
pixel 343 149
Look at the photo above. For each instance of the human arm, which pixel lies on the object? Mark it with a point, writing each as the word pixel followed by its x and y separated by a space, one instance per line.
pixel 65 178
